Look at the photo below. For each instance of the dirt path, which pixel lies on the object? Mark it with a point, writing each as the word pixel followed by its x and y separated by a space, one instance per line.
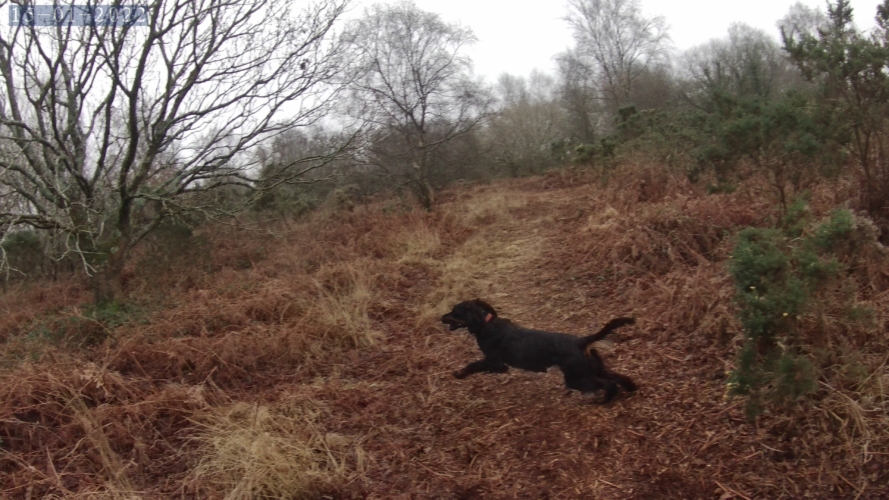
pixel 523 435
pixel 518 435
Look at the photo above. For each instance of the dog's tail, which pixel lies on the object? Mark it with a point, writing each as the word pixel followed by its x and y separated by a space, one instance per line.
pixel 608 328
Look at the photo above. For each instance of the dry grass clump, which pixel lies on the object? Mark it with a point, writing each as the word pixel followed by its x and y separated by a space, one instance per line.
pixel 418 244
pixel 489 206
pixel 312 298
pixel 23 304
pixel 253 451
pixel 276 323
pixel 470 270
pixel 460 277
pixel 656 237
pixel 74 428
pixel 345 293
pixel 289 311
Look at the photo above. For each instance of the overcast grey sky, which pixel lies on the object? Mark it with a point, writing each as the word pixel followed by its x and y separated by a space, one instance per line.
pixel 516 36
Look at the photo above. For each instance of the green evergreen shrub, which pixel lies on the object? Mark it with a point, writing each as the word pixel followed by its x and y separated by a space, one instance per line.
pixel 780 274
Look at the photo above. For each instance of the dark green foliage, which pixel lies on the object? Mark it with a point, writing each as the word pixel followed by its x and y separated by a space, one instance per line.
pixel 851 71
pixel 796 217
pixel 97 321
pixel 88 328
pixel 672 137
pixel 595 154
pixel 789 139
pixel 288 201
pixel 295 200
pixel 21 241
pixel 834 231
pixel 174 252
pixel 175 241
pixel 779 274
pixel 795 378
pixel 24 251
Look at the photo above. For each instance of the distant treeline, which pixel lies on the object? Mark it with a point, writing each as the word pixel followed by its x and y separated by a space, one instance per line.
pixel 388 103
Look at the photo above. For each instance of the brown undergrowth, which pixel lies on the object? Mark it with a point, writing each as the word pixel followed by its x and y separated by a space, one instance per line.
pixel 308 361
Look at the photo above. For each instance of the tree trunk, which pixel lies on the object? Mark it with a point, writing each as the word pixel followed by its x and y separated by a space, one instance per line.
pixel 426 193
pixel 108 280
pixel 107 283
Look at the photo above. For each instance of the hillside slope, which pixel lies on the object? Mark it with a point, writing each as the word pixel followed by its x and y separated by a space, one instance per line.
pixel 319 367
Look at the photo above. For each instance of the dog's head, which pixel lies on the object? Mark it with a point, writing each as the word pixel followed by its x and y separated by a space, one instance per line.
pixel 470 314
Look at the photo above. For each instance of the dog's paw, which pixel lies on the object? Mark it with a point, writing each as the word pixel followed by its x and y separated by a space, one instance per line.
pixel 460 374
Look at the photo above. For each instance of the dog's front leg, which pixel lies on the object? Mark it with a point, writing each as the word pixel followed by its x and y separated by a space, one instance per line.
pixel 482 365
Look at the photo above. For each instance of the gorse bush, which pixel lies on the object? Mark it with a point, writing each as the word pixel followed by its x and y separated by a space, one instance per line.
pixel 789 140
pixel 780 274
pixel 848 67
pixel 601 153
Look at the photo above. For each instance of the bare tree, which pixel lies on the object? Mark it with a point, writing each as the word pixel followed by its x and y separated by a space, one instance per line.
pixel 579 94
pixel 108 129
pixel 313 152
pixel 801 21
pixel 530 121
pixel 617 44
pixel 415 87
pixel 748 63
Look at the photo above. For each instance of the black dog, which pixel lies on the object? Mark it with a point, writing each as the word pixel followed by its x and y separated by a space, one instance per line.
pixel 506 344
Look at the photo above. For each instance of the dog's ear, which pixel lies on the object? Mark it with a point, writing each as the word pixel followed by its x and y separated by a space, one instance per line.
pixel 487 307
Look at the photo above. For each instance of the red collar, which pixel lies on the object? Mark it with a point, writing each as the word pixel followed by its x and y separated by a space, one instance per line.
pixel 489 317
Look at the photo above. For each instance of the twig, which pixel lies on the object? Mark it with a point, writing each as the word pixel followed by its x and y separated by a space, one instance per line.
pixel 671 357
pixel 731 491
pixel 436 473
pixel 726 409
pixel 634 433
pixel 856 488
pixel 773 449
pixel 609 483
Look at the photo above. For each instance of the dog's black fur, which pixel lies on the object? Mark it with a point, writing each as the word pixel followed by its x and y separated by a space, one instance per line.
pixel 506 344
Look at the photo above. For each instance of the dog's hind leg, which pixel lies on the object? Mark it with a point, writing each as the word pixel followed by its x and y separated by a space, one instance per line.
pixel 482 365
pixel 587 383
pixel 610 391
pixel 624 381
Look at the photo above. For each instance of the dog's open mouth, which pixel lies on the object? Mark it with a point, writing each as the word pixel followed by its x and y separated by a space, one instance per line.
pixel 452 322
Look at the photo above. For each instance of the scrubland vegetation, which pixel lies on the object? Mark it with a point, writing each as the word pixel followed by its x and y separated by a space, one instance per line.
pixel 310 362
pixel 208 294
